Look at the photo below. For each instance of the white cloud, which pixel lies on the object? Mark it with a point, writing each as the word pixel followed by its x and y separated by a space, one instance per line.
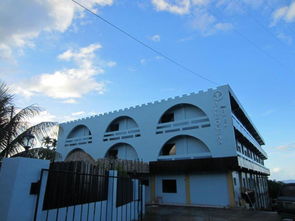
pixel 203 21
pixel 156 38
pixel 223 26
pixel 177 6
pixel 143 61
pixel 111 63
pixel 23 20
pixel 207 24
pixel 43 116
pixel 70 101
pixel 286 38
pixel 67 83
pixel 200 2
pixel 290 146
pixel 78 113
pixel 276 170
pixel 286 13
pixel 5 52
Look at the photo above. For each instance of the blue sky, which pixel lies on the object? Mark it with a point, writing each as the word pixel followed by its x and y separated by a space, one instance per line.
pixel 56 55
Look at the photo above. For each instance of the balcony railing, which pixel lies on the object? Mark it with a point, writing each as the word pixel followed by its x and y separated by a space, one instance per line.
pixel 239 126
pixel 249 164
pixel 75 141
pixel 188 124
pixel 121 134
pixel 185 156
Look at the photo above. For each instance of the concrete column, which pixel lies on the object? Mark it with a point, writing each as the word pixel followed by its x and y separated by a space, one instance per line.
pixel 187 189
pixel 152 189
pixel 16 177
pixel 230 189
pixel 112 195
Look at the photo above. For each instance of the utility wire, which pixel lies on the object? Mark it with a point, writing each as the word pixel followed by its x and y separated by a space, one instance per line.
pixel 254 44
pixel 146 45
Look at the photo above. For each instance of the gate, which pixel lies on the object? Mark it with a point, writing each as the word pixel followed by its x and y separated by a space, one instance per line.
pixel 78 191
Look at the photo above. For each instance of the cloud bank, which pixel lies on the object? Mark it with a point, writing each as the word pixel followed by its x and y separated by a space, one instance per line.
pixel 23 20
pixel 68 83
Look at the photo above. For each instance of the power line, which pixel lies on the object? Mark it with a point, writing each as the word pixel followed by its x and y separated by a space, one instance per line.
pixel 146 45
pixel 254 44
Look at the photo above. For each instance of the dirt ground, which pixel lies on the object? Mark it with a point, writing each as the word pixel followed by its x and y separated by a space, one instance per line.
pixel 169 213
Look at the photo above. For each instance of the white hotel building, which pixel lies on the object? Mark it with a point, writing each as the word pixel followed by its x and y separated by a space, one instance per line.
pixel 202 148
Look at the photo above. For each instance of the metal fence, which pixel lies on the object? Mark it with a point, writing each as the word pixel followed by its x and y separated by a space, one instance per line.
pixel 81 191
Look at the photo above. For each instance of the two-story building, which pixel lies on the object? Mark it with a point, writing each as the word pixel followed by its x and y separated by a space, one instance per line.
pixel 202 147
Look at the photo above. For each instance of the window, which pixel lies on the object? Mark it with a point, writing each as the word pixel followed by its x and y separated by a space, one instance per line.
pixel 168 117
pixel 113 154
pixel 114 127
pixel 239 146
pixel 169 149
pixel 169 186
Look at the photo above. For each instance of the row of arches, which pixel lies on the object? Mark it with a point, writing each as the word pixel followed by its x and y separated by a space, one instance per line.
pixel 182 145
pixel 129 128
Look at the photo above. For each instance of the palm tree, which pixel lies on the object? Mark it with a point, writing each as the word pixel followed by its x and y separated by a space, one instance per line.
pixel 15 126
pixel 49 142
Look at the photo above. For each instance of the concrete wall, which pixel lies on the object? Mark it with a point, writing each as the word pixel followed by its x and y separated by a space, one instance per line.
pixel 209 189
pixel 197 189
pixel 16 203
pixel 171 198
pixel 16 176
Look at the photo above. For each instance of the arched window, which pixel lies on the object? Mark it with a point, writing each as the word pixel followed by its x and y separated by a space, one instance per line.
pixel 182 117
pixel 79 131
pixel 122 123
pixel 122 128
pixel 122 151
pixel 184 145
pixel 79 155
pixel 79 135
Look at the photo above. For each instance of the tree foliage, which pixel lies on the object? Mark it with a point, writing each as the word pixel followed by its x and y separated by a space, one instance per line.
pixel 274 188
pixel 15 124
pixel 40 153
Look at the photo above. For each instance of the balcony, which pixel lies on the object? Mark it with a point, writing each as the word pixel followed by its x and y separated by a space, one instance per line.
pixel 239 126
pixel 121 134
pixel 77 141
pixel 183 125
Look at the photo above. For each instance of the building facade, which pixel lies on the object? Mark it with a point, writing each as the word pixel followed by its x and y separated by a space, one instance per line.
pixel 202 148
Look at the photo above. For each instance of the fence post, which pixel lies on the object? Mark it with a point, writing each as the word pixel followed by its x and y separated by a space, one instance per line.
pixel 112 196
pixel 16 177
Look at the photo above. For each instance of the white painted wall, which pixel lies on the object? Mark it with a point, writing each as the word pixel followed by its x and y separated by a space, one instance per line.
pixel 219 137
pixel 16 176
pixel 209 189
pixel 171 198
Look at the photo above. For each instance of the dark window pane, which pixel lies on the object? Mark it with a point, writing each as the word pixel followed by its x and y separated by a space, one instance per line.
pixel 169 117
pixel 113 154
pixel 114 127
pixel 169 186
pixel 169 149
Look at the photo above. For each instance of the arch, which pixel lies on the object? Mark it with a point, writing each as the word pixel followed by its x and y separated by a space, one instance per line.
pixel 122 123
pixel 79 155
pixel 184 145
pixel 79 131
pixel 122 151
pixel 181 111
